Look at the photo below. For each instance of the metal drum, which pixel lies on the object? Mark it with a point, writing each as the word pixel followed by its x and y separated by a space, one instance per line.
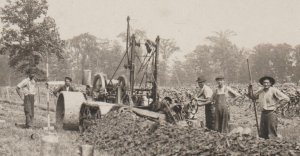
pixel 87 78
pixel 68 110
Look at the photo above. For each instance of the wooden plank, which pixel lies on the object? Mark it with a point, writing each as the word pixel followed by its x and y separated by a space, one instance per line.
pixel 148 113
pixel 142 112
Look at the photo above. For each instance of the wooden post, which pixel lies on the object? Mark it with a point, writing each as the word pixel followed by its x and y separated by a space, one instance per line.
pixel 128 37
pixel 87 150
pixel 7 92
pixel 49 145
pixel 155 73
pixel 39 95
pixel 132 64
pixel 2 93
pixel 48 94
pixel 1 96
pixel 119 98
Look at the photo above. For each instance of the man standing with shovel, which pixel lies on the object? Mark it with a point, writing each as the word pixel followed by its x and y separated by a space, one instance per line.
pixel 269 100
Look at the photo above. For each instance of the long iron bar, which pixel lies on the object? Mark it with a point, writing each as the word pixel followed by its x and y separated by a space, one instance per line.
pixel 254 101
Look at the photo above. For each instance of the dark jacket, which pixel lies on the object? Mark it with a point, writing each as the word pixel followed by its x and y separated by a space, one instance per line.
pixel 63 88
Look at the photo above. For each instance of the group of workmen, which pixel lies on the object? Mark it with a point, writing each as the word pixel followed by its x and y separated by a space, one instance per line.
pixel 217 114
pixel 216 102
pixel 28 86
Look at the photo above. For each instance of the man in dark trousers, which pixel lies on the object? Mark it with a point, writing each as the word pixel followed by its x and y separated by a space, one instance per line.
pixel 28 87
pixel 220 100
pixel 204 98
pixel 269 100
pixel 66 87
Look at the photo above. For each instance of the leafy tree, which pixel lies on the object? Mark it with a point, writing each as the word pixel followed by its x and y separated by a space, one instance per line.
pixel 59 68
pixel 84 50
pixel 296 67
pixel 167 47
pixel 225 54
pixel 221 56
pixel 273 60
pixel 179 74
pixel 199 62
pixel 261 60
pixel 28 34
pixel 283 61
pixel 109 58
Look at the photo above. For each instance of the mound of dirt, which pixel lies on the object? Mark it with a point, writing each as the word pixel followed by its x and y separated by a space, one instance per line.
pixel 127 134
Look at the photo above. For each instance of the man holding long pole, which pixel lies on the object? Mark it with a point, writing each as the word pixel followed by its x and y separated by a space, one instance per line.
pixel 269 99
pixel 251 95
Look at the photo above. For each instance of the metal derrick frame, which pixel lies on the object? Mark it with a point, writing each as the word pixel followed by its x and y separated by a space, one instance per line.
pixel 152 61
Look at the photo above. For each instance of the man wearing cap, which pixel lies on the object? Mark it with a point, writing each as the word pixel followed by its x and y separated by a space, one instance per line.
pixel 29 90
pixel 203 97
pixel 269 100
pixel 220 100
pixel 66 87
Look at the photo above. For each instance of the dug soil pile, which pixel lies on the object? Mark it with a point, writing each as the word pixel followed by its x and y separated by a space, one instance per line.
pixel 127 134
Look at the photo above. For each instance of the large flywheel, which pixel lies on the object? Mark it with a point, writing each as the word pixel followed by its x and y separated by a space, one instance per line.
pixel 99 87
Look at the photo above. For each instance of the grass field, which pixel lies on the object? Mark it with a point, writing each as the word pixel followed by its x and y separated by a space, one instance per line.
pixel 16 141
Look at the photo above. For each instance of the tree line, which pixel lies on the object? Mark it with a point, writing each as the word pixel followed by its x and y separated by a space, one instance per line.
pixel 29 38
pixel 221 56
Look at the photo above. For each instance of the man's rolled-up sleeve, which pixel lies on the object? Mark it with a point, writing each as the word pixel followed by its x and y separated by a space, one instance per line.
pixel 233 92
pixel 22 84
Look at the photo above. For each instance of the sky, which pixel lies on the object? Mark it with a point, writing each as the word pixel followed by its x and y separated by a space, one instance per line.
pixel 188 22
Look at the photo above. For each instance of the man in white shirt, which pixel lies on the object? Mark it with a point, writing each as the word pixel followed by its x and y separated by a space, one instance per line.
pixel 203 97
pixel 29 90
pixel 269 100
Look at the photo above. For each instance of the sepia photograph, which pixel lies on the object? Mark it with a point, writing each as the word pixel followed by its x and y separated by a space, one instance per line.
pixel 149 78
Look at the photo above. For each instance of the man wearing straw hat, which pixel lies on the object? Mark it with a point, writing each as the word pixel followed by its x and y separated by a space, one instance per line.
pixel 29 90
pixel 203 97
pixel 269 100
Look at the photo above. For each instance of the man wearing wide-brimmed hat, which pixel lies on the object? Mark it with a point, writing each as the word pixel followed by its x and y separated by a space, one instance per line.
pixel 29 90
pixel 67 87
pixel 203 97
pixel 269 100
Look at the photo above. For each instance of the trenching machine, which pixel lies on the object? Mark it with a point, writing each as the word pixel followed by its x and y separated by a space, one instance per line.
pixel 74 110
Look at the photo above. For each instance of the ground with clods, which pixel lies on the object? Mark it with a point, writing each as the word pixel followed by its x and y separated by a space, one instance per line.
pixel 15 141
